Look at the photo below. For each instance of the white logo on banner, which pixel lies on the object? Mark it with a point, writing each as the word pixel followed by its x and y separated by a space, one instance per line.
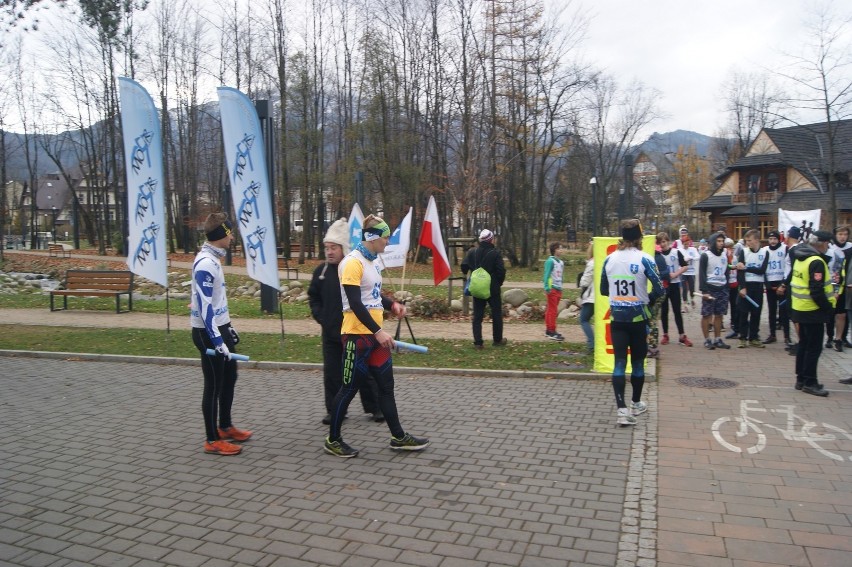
pixel 143 150
pixel 244 153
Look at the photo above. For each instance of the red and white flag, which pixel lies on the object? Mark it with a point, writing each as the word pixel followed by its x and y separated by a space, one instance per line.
pixel 430 237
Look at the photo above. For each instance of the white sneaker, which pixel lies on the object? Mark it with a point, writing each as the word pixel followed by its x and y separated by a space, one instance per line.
pixel 637 408
pixel 624 417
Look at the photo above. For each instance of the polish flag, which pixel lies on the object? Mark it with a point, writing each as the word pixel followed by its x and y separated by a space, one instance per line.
pixel 430 237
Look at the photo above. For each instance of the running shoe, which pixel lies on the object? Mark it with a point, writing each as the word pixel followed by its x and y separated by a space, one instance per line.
pixel 221 448
pixel 624 417
pixel 408 442
pixel 755 343
pixel 721 344
pixel 684 341
pixel 638 408
pixel 339 449
pixel 743 344
pixel 708 344
pixel 235 434
pixel 665 340
pixel 554 336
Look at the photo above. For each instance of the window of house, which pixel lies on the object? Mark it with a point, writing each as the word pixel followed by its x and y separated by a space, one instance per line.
pixel 740 228
pixel 765 227
pixel 772 183
pixel 753 183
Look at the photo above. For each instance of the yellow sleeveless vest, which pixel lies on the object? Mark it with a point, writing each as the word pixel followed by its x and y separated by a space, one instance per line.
pixel 800 285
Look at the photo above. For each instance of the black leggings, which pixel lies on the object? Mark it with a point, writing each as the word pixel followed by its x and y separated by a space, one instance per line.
pixel 220 378
pixel 362 356
pixel 635 337
pixel 673 296
pixel 772 301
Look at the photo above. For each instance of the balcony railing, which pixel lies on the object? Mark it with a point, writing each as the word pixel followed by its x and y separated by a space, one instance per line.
pixel 762 198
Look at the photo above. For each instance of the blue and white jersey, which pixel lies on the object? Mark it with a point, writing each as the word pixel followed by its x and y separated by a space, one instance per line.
pixel 691 256
pixel 753 260
pixel 836 257
pixel 209 306
pixel 673 257
pixel 717 267
pixel 777 261
pixel 624 278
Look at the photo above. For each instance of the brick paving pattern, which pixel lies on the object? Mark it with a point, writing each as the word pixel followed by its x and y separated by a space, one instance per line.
pixel 103 466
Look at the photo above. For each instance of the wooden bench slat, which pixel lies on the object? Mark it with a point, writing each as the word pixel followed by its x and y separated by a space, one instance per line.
pixel 57 249
pixel 96 283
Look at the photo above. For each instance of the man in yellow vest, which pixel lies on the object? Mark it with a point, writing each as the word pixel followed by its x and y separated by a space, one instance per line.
pixel 812 295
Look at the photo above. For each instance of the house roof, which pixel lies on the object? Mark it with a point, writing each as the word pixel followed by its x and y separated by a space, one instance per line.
pixel 796 201
pixel 660 160
pixel 804 148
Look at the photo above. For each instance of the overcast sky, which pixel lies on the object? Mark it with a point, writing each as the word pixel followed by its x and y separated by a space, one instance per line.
pixel 685 49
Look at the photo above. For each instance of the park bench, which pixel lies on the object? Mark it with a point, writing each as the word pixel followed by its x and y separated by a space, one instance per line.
pixel 96 283
pixel 58 250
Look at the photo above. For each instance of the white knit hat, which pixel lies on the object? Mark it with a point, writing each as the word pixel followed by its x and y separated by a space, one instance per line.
pixel 485 235
pixel 338 233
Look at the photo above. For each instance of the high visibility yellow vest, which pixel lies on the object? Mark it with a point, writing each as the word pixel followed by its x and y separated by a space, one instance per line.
pixel 800 285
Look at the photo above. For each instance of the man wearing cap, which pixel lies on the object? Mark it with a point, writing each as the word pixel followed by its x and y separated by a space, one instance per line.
pixel 813 298
pixel 713 270
pixel 625 276
pixel 683 236
pixel 777 252
pixel 366 346
pixel 326 305
pixel 487 257
pixel 211 329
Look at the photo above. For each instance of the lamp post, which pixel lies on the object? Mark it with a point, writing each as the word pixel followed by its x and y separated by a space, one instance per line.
pixel 53 210
pixel 593 182
pixel 752 191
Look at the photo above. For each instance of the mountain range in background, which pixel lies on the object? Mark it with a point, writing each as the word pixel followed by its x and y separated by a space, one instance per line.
pixel 668 142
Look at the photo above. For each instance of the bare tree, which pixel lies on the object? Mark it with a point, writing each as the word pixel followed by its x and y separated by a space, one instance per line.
pixel 819 77
pixel 753 102
pixel 609 127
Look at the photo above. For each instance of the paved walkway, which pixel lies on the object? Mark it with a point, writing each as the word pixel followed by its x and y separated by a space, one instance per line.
pixel 102 466
pixel 780 494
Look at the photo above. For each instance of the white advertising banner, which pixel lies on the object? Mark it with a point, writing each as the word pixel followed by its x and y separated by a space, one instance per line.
pixel 143 154
pixel 244 154
pixel 396 252
pixel 807 221
pixel 356 222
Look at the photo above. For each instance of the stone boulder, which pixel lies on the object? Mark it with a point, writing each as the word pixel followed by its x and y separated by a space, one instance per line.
pixel 515 297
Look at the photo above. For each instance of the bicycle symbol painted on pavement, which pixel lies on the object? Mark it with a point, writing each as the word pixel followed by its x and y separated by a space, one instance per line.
pixel 748 434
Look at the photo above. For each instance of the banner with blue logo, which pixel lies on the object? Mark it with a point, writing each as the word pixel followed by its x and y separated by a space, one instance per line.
pixel 246 160
pixel 143 154
pixel 396 252
pixel 356 224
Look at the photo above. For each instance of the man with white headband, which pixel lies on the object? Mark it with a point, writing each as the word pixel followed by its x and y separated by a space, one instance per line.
pixel 366 347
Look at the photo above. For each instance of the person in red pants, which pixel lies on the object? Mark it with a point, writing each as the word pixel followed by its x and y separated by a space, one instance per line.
pixel 553 268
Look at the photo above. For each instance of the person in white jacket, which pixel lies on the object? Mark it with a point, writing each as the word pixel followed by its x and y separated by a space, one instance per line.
pixel 587 300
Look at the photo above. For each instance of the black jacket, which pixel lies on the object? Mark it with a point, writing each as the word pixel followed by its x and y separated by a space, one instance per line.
pixel 486 256
pixel 825 313
pixel 325 300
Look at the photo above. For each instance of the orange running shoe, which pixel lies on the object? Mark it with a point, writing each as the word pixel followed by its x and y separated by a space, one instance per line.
pixel 235 434
pixel 221 448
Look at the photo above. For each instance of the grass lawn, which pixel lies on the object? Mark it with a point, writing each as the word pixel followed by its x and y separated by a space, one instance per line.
pixel 291 348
